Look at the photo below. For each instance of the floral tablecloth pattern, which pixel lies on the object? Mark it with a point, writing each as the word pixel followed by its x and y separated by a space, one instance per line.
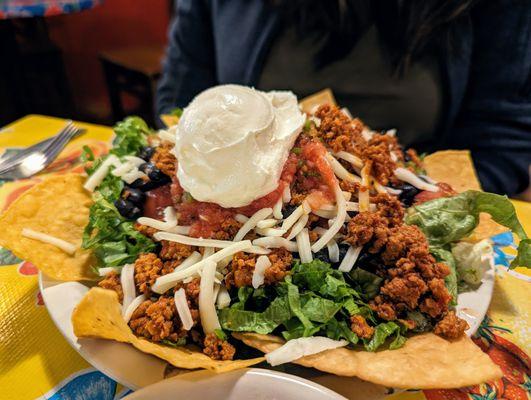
pixel 36 362
pixel 43 8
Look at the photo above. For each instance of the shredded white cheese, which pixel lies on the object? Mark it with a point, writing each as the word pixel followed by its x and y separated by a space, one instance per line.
pixel 251 223
pixel 61 244
pixel 293 217
pixel 333 250
pixel 174 237
pixel 355 161
pixel 166 282
pixel 267 223
pixel 297 348
pixel 107 270
pixel 127 280
pixel 275 243
pixel 303 244
pixel 262 263
pixel 340 171
pixel 242 219
pixel 301 223
pixel 97 177
pixel 223 299
pixel 350 259
pixel 277 208
pixel 182 309
pixel 208 251
pixel 337 224
pixel 132 176
pixel 363 194
pixel 407 176
pixel 170 227
pixel 270 232
pixel 166 136
pixel 133 306
pixel 207 307
pixel 286 194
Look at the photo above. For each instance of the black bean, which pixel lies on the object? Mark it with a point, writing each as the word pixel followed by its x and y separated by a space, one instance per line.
pixel 322 255
pixel 146 153
pixel 288 210
pixel 407 197
pixel 127 209
pixel 135 196
pixel 153 173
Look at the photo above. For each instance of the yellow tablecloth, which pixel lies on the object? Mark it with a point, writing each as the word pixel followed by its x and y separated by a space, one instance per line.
pixel 37 362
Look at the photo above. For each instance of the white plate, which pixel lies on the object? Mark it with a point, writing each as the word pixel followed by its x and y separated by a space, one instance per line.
pixel 115 359
pixel 249 383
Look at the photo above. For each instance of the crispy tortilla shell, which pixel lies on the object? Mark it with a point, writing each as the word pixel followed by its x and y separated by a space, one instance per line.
pixel 98 315
pixel 58 206
pixel 425 362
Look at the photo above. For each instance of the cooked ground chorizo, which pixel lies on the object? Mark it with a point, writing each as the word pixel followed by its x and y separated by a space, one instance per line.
pixel 281 260
pixel 368 227
pixel 112 282
pixel 227 229
pixel 385 310
pixel 147 269
pixel 175 251
pixel 217 348
pixel 242 268
pixel 192 291
pixel 378 151
pixel 157 320
pixel 337 130
pixel 145 230
pixel 405 290
pixel 451 326
pixel 359 325
pixel 164 159
pixel 390 208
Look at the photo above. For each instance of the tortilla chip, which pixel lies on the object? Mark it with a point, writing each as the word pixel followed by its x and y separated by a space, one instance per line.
pixel 456 168
pixel 169 120
pixel 310 103
pixel 425 362
pixel 98 315
pixel 58 206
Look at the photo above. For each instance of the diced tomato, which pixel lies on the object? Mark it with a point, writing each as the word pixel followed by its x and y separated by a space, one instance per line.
pixel 269 200
pixel 319 198
pixel 156 201
pixel 315 153
pixel 445 190
pixel 204 218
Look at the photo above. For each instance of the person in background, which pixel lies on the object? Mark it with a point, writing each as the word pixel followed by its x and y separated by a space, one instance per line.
pixel 448 74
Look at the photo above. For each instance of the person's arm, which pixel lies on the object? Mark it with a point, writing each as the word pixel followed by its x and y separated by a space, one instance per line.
pixel 189 66
pixel 495 118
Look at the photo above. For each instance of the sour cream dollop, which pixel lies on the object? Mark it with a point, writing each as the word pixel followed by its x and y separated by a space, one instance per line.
pixel 232 142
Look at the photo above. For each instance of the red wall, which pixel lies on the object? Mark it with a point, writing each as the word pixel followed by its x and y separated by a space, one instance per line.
pixel 113 24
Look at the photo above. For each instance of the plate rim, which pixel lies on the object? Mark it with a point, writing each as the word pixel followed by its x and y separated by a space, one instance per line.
pixel 488 279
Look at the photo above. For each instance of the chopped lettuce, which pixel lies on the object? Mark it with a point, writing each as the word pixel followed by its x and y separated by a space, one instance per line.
pixel 449 219
pixel 384 331
pixel 113 238
pixel 472 260
pixel 314 300
pixel 445 256
pixel 130 136
pixel 366 282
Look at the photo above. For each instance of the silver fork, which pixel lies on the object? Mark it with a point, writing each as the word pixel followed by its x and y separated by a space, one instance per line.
pixel 40 159
pixel 9 160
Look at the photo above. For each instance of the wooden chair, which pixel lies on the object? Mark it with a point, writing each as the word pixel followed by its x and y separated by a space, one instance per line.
pixel 132 71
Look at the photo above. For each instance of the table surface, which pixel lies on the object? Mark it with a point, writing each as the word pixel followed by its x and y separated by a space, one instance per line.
pixel 37 362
